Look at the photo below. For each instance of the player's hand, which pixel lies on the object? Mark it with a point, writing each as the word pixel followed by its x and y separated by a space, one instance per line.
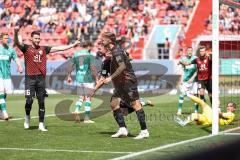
pixel 20 69
pixel 107 80
pixel 16 28
pixel 69 79
pixel 190 81
pixel 77 42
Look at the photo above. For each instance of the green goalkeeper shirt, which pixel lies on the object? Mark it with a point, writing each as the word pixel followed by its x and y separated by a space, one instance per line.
pixel 6 55
pixel 83 60
pixel 189 70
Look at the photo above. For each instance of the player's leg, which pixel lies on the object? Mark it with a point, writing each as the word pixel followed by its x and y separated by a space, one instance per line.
pixel 183 89
pixel 197 100
pixel 8 88
pixel 87 108
pixel 88 88
pixel 194 90
pixel 202 90
pixel 209 89
pixel 141 118
pixel 41 93
pixel 29 95
pixel 117 113
pixel 3 106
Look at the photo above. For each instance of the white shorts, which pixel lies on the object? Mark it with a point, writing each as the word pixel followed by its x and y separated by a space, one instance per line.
pixel 191 88
pixel 6 86
pixel 85 89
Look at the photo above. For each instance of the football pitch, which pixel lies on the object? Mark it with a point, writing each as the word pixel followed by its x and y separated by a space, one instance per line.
pixel 69 140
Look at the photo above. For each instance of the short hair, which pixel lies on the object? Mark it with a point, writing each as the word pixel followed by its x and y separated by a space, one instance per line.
pixel 86 44
pixel 3 34
pixel 202 47
pixel 234 105
pixel 35 33
pixel 109 35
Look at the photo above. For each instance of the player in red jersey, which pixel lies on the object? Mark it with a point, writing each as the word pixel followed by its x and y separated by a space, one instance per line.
pixel 204 69
pixel 35 73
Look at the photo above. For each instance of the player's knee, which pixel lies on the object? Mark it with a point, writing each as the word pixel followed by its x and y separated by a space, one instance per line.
pixel 114 103
pixel 29 101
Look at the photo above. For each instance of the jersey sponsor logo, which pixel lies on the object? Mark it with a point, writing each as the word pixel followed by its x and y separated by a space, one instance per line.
pixel 4 57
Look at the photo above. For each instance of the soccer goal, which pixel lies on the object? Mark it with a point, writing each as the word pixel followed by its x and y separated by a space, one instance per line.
pixel 226 57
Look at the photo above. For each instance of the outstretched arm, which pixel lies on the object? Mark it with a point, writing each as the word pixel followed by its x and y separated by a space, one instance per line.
pixel 63 48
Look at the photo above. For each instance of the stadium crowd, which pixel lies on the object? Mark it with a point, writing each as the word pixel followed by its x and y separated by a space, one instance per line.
pixel 229 21
pixel 86 19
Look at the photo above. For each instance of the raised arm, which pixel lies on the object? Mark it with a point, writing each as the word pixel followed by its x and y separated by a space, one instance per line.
pixel 16 40
pixel 65 47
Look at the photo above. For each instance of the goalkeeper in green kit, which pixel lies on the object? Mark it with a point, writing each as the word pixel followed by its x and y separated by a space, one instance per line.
pixel 86 76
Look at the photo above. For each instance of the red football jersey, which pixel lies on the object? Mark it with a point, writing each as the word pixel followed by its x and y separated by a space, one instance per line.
pixel 35 59
pixel 204 67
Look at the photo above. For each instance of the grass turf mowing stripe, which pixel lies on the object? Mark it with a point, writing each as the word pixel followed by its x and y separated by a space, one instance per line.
pixel 135 154
pixel 63 150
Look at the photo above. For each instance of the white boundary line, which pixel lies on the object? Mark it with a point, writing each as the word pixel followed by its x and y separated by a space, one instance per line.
pixel 34 117
pixel 231 134
pixel 135 154
pixel 63 150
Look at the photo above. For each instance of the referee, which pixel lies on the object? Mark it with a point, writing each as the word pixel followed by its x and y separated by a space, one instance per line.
pixel 35 73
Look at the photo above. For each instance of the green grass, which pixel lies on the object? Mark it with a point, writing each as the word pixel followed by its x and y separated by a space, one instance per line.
pixel 67 135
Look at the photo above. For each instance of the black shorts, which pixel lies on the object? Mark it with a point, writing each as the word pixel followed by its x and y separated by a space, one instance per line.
pixel 35 86
pixel 127 92
pixel 205 84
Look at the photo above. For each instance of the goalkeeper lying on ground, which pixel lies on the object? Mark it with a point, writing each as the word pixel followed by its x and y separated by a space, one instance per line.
pixel 206 117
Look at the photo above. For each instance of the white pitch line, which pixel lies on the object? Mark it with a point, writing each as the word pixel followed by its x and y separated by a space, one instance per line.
pixel 63 150
pixel 131 155
pixel 231 134
pixel 34 117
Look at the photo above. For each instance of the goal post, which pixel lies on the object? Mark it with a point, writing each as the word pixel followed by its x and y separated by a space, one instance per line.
pixel 215 66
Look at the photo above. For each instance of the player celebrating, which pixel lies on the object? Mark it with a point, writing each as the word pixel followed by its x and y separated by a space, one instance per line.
pixel 85 75
pixel 204 68
pixel 6 55
pixel 35 70
pixel 206 117
pixel 105 72
pixel 188 80
pixel 125 84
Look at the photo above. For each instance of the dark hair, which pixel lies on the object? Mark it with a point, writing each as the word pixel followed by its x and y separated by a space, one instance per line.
pixel 3 34
pixel 35 32
pixel 202 47
pixel 234 105
pixel 109 35
pixel 86 44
